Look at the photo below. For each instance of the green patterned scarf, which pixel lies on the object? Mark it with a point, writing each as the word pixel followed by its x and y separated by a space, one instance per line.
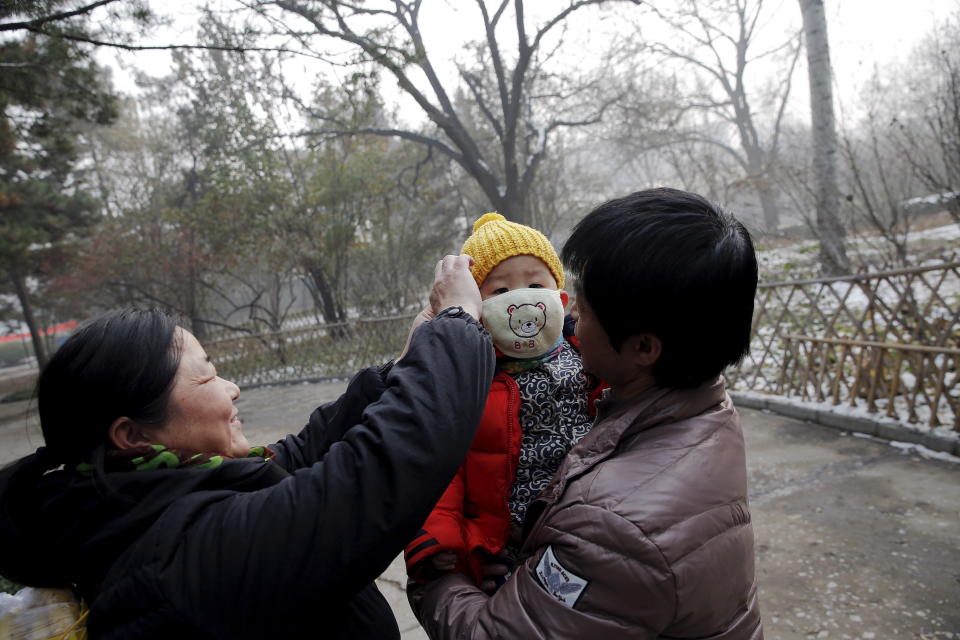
pixel 157 456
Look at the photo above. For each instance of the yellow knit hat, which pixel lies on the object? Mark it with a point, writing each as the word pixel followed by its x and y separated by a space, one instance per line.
pixel 495 239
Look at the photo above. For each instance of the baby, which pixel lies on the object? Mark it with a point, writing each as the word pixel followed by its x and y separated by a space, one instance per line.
pixel 539 405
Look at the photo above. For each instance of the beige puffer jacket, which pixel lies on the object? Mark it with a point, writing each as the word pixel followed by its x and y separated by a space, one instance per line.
pixel 644 533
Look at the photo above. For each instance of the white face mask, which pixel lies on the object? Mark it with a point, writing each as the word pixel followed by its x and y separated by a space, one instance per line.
pixel 524 323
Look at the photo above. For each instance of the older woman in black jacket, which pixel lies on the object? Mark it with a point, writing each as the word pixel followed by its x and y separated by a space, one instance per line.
pixel 148 500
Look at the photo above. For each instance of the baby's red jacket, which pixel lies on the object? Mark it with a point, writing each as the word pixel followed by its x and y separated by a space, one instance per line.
pixel 472 517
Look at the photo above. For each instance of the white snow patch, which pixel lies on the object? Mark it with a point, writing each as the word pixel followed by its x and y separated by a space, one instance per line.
pixel 539 146
pixel 933 198
pixel 946 232
pixel 924 452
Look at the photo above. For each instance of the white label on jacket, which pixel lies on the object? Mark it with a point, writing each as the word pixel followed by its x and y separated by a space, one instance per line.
pixel 559 582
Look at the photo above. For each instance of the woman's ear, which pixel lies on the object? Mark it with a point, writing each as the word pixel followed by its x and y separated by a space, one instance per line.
pixel 124 433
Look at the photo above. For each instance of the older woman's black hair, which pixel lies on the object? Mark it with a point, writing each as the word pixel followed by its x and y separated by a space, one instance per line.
pixel 121 363
pixel 672 264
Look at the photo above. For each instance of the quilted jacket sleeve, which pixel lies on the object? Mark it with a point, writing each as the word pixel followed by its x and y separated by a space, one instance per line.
pixel 600 552
pixel 329 422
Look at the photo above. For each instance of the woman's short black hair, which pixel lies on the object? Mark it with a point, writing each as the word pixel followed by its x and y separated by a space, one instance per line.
pixel 670 263
pixel 121 363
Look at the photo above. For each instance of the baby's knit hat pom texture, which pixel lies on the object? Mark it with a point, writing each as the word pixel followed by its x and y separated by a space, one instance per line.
pixel 485 218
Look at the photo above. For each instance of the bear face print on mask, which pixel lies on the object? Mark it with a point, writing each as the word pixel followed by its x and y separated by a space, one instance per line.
pixel 527 320
pixel 525 323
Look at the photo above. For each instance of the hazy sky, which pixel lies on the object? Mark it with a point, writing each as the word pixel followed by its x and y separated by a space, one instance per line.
pixel 868 33
pixel 864 35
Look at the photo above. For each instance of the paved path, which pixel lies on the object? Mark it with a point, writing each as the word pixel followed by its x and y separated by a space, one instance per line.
pixel 855 538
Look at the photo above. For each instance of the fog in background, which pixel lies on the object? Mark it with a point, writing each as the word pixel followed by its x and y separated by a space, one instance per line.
pixel 254 166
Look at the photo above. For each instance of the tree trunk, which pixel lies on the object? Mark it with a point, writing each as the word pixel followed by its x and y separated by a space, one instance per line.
pixel 510 205
pixel 192 306
pixel 19 284
pixel 765 191
pixel 758 173
pixel 769 205
pixel 833 252
pixel 322 294
pixel 324 298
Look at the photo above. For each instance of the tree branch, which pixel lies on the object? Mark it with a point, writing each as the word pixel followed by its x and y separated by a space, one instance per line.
pixel 167 47
pixel 788 82
pixel 490 27
pixel 393 133
pixel 475 86
pixel 30 25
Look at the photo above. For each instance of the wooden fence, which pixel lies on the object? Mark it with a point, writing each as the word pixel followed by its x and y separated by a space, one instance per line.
pixel 308 350
pixel 887 342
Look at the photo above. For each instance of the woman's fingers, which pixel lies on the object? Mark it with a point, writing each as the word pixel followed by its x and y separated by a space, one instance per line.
pixel 453 285
pixel 495 570
pixel 493 575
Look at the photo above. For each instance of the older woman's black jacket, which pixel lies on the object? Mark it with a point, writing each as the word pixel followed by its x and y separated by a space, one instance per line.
pixel 253 549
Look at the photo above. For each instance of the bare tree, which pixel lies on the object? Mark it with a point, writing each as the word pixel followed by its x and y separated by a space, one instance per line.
pixel 716 38
pixel 877 193
pixel 388 35
pixel 928 133
pixel 833 255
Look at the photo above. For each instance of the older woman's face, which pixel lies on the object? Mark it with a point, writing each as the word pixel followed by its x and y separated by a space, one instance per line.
pixel 201 414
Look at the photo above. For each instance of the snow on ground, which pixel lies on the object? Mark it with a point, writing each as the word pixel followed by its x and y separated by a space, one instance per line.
pixel 946 233
pixel 799 260
pixel 933 198
pixel 924 452
pixel 911 448
pixel 788 309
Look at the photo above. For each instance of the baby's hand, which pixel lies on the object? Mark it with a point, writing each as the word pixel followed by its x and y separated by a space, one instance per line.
pixel 444 561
